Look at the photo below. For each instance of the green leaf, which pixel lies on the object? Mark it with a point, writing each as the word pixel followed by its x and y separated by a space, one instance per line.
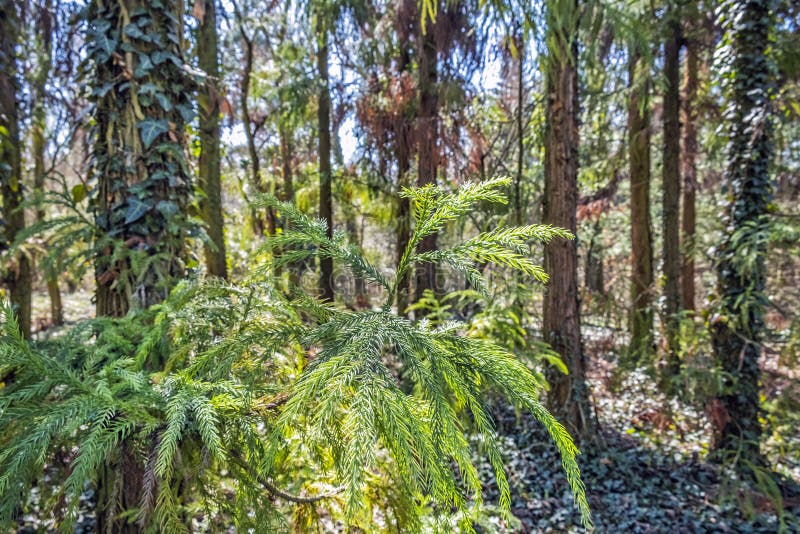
pixel 144 66
pixel 103 90
pixel 132 30
pixel 105 45
pixel 150 129
pixel 164 101
pixel 136 210
pixel 167 208
pixel 186 111
pixel 79 192
pixel 160 56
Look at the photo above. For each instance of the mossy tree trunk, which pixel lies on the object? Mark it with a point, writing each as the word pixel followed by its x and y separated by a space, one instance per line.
pixel 568 396
pixel 641 319
pixel 17 274
pixel 738 325
pixel 209 123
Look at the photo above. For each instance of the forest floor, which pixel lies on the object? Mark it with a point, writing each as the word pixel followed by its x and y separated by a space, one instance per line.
pixel 645 472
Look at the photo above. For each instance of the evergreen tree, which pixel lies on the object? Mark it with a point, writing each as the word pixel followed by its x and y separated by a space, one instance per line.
pixel 568 394
pixel 737 326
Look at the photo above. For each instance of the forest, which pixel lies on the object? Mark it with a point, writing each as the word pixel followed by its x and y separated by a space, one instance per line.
pixel 365 266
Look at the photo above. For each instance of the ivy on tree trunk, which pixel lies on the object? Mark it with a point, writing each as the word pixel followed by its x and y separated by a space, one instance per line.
pixel 737 325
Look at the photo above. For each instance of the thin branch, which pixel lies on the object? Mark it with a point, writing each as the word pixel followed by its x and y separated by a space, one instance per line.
pixel 277 492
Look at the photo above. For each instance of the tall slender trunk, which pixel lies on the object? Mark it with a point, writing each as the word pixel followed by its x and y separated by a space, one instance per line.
pixel 518 207
pixel 672 190
pixel 287 149
pixel 738 325
pixel 17 276
pixel 568 396
pixel 258 224
pixel 324 154
pixel 427 142
pixel 641 319
pixel 593 273
pixel 689 172
pixel 209 123
pixel 44 30
pixel 403 155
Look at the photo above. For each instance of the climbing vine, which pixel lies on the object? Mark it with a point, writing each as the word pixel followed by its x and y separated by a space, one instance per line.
pixel 141 184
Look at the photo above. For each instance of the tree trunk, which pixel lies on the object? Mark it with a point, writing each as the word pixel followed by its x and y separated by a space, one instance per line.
pixel 738 325
pixel 17 276
pixel 427 142
pixel 209 123
pixel 149 222
pixel 689 172
pixel 641 319
pixel 257 223
pixel 403 149
pixel 593 273
pixel 287 148
pixel 44 30
pixel 143 185
pixel 324 155
pixel 518 208
pixel 671 192
pixel 568 396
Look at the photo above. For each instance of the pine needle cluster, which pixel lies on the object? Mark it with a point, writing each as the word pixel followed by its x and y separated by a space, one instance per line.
pixel 238 401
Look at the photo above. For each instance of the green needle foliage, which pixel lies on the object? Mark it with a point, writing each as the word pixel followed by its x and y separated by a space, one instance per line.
pixel 237 401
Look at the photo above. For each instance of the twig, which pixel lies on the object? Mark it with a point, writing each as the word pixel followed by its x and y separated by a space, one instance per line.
pixel 270 487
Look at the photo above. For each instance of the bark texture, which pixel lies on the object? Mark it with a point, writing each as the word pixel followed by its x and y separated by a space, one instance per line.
pixel 324 155
pixel 689 174
pixel 403 153
pixel 17 274
pixel 641 319
pixel 671 197
pixel 209 123
pixel 568 397
pixel 138 158
pixel 427 141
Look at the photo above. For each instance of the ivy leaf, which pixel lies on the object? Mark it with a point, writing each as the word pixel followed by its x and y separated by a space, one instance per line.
pixel 167 208
pixel 186 111
pixel 105 45
pixel 160 56
pixel 144 66
pixel 163 101
pixel 132 30
pixel 136 209
pixel 103 90
pixel 150 129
